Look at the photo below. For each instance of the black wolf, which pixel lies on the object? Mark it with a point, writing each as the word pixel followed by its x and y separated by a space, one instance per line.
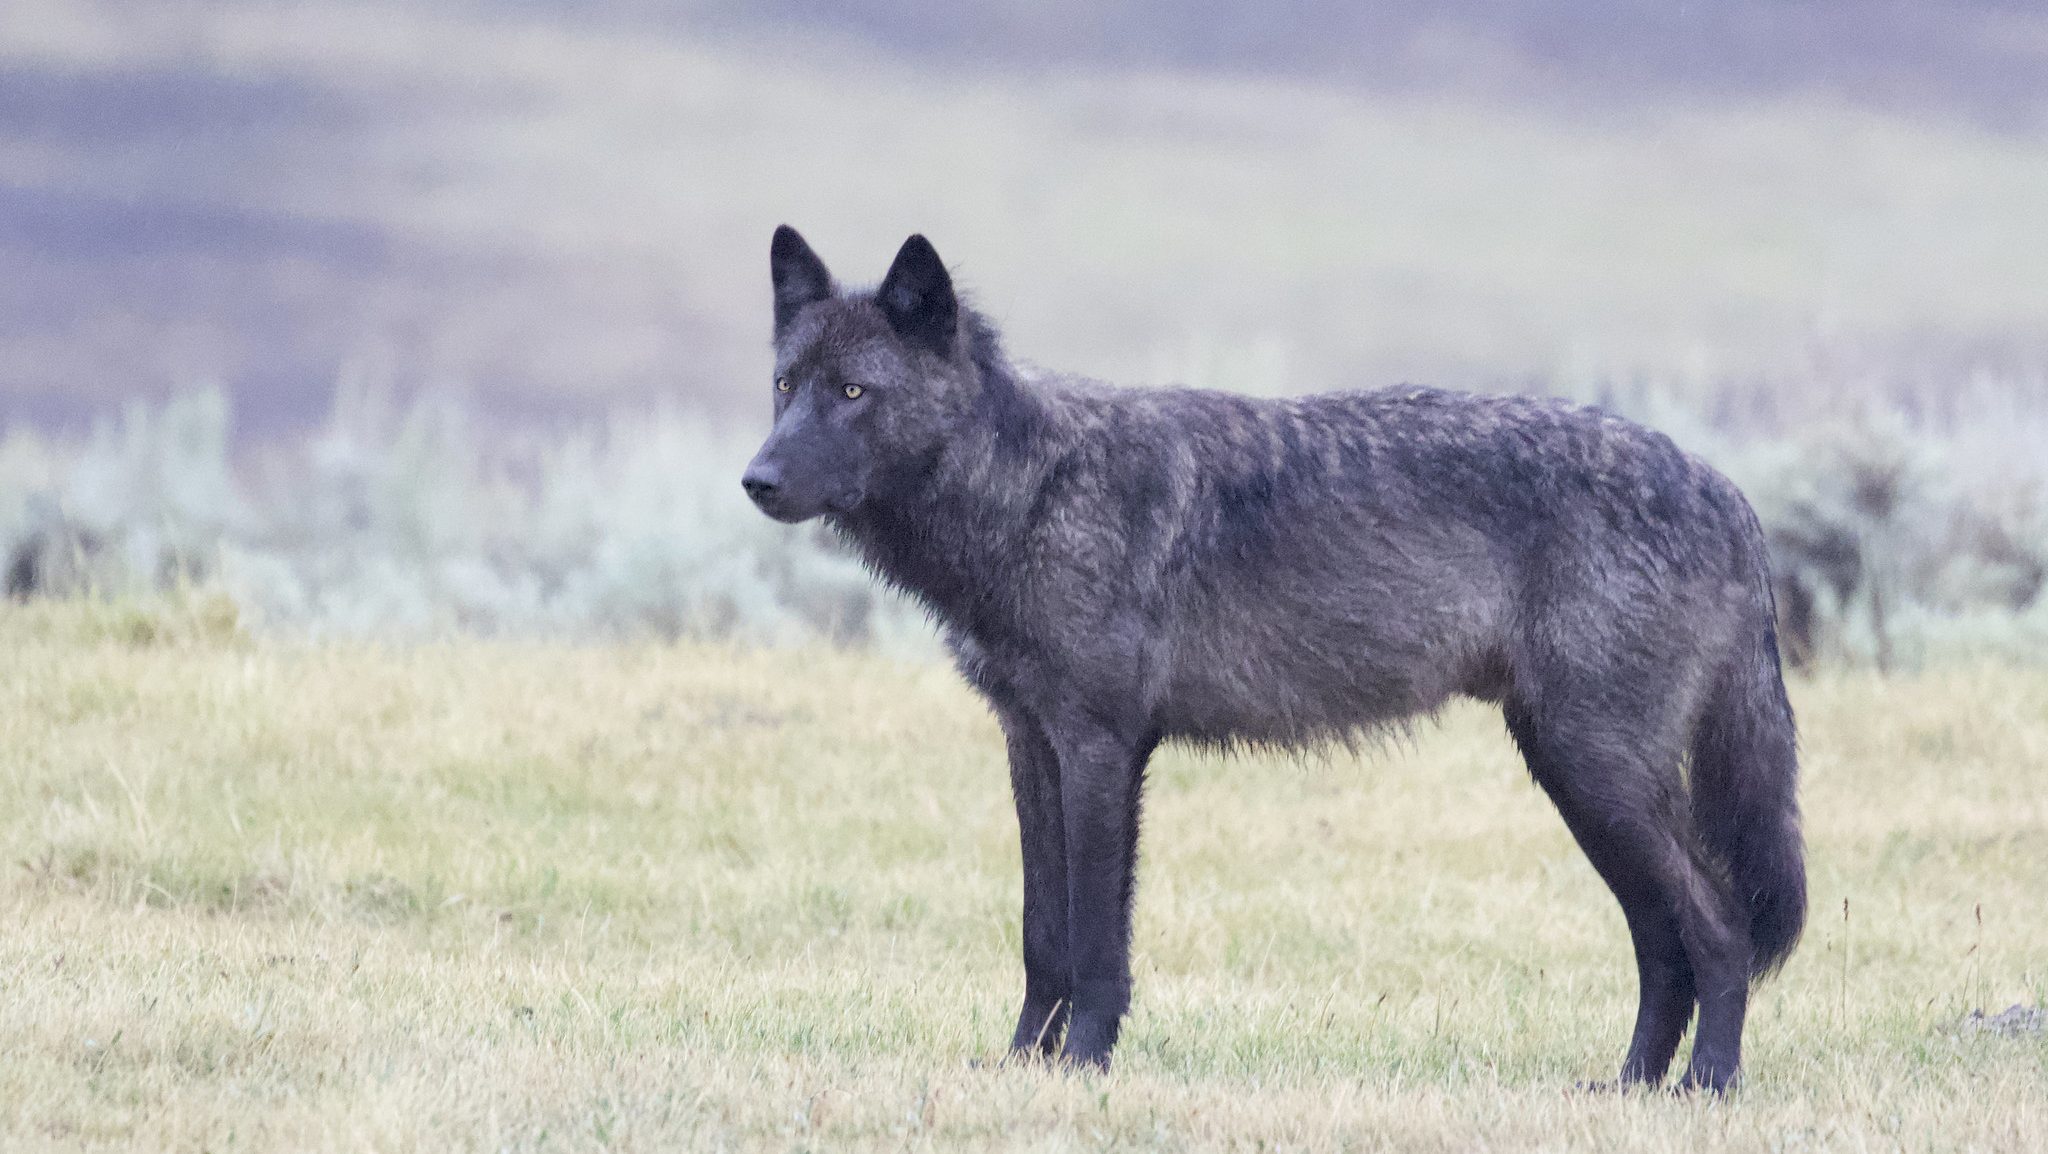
pixel 1116 568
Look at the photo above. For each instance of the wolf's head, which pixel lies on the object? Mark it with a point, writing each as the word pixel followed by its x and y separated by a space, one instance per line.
pixel 867 386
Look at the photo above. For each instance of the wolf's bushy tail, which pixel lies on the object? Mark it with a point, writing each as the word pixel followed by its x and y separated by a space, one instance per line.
pixel 1745 771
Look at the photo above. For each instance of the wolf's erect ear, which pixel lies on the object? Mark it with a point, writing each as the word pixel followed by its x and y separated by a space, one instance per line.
pixel 917 297
pixel 800 277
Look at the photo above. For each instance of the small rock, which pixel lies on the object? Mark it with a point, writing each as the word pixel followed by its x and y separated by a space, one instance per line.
pixel 2014 1021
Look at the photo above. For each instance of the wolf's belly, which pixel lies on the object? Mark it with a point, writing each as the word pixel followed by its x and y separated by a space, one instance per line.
pixel 1300 698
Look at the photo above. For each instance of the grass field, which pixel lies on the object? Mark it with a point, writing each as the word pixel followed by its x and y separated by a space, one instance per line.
pixel 267 896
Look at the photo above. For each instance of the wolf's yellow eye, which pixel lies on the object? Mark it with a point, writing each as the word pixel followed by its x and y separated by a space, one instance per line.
pixel 853 392
pixel 782 384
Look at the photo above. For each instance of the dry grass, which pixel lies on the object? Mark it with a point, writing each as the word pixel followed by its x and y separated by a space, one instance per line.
pixel 265 896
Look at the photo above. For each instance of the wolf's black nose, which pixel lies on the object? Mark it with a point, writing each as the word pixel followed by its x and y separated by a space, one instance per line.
pixel 759 482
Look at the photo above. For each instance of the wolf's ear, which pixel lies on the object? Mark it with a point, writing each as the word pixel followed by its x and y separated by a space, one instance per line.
pixel 800 277
pixel 917 297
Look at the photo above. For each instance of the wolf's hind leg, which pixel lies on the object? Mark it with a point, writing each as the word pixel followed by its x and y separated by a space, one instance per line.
pixel 1625 807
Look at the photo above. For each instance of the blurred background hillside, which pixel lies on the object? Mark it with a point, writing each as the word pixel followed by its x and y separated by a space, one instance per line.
pixel 429 316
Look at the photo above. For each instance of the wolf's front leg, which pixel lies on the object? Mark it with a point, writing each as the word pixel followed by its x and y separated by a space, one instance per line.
pixel 1035 780
pixel 1101 772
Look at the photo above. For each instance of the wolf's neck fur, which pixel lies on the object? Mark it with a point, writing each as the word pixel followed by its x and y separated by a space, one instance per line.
pixel 953 536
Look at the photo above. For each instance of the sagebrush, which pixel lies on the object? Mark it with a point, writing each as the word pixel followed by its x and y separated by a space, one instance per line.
pixel 1899 539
